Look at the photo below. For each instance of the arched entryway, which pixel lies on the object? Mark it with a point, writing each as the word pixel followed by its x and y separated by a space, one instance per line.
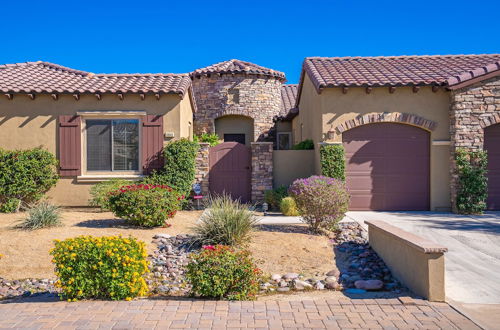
pixel 388 167
pixel 230 170
pixel 492 146
pixel 235 128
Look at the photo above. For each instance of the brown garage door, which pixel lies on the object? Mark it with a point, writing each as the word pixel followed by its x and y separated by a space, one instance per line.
pixel 387 167
pixel 492 146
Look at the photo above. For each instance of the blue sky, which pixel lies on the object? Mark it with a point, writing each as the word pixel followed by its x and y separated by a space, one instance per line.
pixel 180 36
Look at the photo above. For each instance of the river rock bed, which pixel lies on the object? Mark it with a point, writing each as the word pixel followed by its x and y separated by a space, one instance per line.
pixel 25 288
pixel 360 267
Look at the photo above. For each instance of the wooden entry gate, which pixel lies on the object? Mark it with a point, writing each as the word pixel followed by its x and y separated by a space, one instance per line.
pixel 230 170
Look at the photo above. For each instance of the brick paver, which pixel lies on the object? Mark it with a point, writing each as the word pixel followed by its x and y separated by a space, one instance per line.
pixel 343 313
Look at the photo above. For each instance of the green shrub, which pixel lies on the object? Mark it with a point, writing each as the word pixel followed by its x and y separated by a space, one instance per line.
pixel 322 201
pixel 25 175
pixel 472 190
pixel 273 197
pixel 212 139
pixel 225 221
pixel 288 207
pixel 10 205
pixel 179 169
pixel 304 145
pixel 145 204
pixel 42 215
pixel 100 267
pixel 333 161
pixel 223 273
pixel 100 192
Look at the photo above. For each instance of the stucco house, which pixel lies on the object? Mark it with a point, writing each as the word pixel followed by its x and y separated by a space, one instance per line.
pixel 399 119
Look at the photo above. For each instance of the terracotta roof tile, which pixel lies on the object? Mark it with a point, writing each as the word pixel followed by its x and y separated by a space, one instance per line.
pixel 44 77
pixel 395 71
pixel 288 98
pixel 237 66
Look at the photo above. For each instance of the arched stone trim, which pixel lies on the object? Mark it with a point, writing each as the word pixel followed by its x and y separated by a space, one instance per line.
pixel 391 117
pixel 232 112
pixel 489 120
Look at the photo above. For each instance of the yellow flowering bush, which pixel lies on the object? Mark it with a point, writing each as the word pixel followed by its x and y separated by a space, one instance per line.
pixel 110 267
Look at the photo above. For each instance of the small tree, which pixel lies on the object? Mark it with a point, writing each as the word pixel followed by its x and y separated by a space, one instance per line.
pixel 472 189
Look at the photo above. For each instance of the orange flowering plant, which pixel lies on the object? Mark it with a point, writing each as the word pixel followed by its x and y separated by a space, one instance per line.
pixel 110 267
pixel 147 205
pixel 224 273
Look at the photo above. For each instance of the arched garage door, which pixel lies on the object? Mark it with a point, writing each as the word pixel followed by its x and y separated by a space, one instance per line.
pixel 492 146
pixel 387 167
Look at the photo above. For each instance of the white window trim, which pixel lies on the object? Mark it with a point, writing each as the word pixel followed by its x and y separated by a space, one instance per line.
pixel 278 139
pixel 99 176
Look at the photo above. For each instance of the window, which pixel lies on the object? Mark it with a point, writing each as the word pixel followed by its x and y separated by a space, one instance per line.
pixel 240 138
pixel 112 145
pixel 284 141
pixel 233 96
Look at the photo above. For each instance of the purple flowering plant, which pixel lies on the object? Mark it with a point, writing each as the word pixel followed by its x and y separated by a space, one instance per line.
pixel 322 201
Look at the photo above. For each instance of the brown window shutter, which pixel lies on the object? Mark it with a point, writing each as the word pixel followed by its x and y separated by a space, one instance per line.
pixel 152 143
pixel 70 145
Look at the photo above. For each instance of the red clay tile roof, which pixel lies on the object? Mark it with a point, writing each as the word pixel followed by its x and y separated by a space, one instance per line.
pixel 473 74
pixel 394 71
pixel 237 66
pixel 288 98
pixel 44 77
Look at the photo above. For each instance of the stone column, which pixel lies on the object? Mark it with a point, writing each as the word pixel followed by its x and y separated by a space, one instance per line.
pixel 472 109
pixel 262 169
pixel 203 168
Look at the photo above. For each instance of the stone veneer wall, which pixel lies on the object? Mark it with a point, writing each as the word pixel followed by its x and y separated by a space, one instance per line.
pixel 262 169
pixel 257 97
pixel 472 109
pixel 203 168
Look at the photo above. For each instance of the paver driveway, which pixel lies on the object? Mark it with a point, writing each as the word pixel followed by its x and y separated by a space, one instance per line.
pixel 335 313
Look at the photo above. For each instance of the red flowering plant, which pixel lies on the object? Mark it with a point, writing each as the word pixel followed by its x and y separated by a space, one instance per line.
pixel 221 272
pixel 145 205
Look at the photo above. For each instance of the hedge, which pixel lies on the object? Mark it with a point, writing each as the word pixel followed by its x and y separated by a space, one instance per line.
pixel 333 161
pixel 472 190
pixel 25 175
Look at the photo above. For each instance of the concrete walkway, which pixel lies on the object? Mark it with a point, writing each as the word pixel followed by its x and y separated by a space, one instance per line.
pixel 473 259
pixel 199 314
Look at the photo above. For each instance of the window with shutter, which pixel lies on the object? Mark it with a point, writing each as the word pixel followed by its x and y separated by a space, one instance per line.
pixel 69 145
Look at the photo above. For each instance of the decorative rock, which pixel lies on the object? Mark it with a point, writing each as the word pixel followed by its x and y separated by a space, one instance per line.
pixel 331 279
pixel 285 289
pixel 157 236
pixel 301 285
pixel 369 284
pixel 334 272
pixel 290 276
pixel 319 285
pixel 276 277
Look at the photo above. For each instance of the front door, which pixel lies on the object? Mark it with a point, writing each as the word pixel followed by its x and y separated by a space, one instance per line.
pixel 230 170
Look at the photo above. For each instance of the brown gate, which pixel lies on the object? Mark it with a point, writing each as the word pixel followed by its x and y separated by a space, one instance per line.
pixel 491 145
pixel 230 170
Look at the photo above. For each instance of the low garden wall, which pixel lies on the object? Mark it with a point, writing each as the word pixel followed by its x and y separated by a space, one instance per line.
pixel 415 261
pixel 289 165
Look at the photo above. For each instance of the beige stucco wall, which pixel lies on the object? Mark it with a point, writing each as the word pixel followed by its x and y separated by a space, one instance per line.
pixel 289 165
pixel 423 272
pixel 234 124
pixel 26 123
pixel 322 113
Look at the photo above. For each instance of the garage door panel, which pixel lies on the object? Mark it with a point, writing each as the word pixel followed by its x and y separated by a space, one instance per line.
pixel 492 146
pixel 387 167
